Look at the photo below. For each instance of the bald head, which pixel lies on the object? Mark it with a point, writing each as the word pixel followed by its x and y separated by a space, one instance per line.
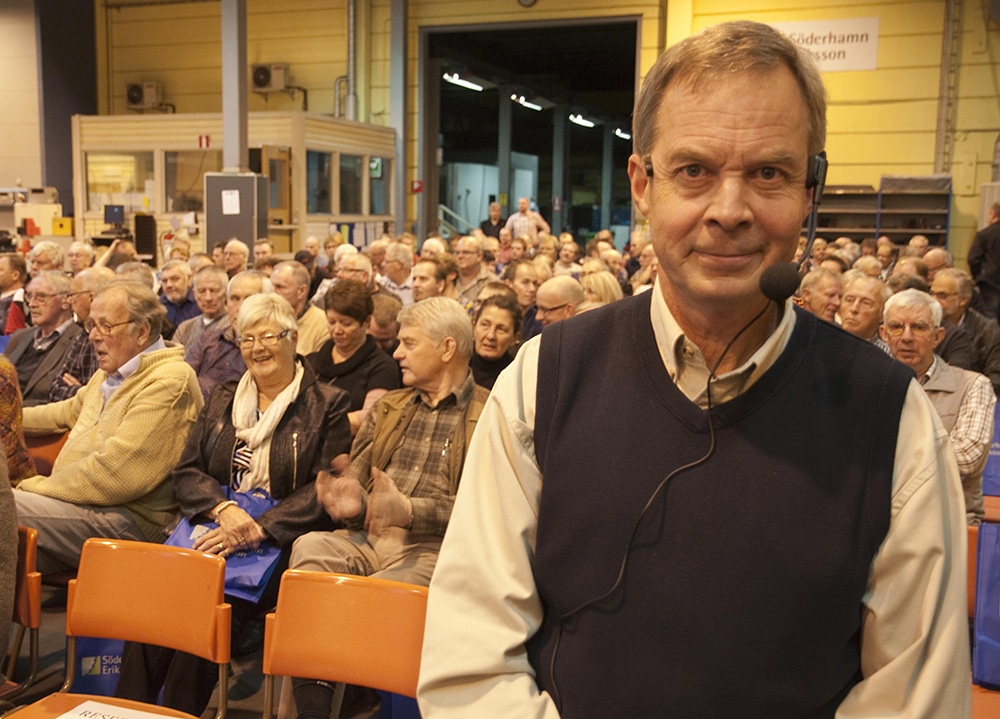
pixel 937 259
pixel 557 299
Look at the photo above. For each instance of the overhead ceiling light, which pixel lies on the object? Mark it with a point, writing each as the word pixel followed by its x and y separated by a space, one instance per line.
pixel 580 120
pixel 622 134
pixel 523 102
pixel 454 79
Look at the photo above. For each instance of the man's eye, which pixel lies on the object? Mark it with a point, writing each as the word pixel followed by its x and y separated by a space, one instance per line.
pixel 692 170
pixel 768 173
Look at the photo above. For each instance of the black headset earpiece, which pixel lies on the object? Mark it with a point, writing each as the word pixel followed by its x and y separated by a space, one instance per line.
pixel 817 175
pixel 649 168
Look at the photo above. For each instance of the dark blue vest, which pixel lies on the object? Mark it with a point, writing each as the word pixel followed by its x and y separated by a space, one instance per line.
pixel 743 587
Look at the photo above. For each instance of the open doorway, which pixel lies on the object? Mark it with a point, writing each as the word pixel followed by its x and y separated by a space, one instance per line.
pixel 480 145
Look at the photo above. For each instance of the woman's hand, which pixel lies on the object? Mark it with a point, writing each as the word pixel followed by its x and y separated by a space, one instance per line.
pixel 237 531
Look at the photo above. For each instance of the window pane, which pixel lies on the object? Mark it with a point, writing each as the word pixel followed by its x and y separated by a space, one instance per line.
pixel 318 182
pixel 120 178
pixel 185 178
pixel 379 177
pixel 350 184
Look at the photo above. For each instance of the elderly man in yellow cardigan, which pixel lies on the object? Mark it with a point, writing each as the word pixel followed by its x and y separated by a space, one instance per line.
pixel 126 427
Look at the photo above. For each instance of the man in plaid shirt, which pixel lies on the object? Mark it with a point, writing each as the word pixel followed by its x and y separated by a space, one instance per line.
pixel 394 499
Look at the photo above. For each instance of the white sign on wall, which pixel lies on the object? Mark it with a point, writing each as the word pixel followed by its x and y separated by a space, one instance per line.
pixel 836 44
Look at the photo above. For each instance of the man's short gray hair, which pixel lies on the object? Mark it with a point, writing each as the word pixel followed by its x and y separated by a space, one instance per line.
pixel 53 250
pixel 399 251
pixel 184 267
pixel 913 299
pixel 212 271
pixel 265 282
pixel 440 318
pixel 141 303
pixel 57 279
pixel 298 271
pixel 137 272
pixel 84 247
pixel 966 286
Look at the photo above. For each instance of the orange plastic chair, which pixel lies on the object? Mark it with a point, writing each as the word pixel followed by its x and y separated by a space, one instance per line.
pixel 27 611
pixel 985 703
pixel 143 592
pixel 44 449
pixel 991 506
pixel 342 628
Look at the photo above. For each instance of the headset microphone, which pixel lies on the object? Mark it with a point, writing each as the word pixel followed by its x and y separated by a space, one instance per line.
pixel 779 282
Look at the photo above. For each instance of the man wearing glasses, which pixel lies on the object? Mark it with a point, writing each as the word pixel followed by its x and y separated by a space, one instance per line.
pixel 964 400
pixel 38 352
pixel 127 427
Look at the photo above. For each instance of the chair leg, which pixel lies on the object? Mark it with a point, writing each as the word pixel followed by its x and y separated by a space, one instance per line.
pixel 15 651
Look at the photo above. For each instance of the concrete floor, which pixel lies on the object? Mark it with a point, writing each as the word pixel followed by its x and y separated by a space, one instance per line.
pixel 246 687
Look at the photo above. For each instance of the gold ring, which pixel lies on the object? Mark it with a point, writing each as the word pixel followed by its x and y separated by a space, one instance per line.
pixel 221 545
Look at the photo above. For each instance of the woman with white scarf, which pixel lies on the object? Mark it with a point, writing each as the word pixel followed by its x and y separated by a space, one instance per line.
pixel 273 430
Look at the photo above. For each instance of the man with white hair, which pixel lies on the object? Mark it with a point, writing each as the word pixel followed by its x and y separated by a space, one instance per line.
pixel 80 256
pixel 397 268
pixel 861 308
pixel 953 289
pixel 472 274
pixel 431 248
pixel 210 294
pixel 45 255
pixel 177 296
pixel 234 257
pixel 964 400
pixel 394 498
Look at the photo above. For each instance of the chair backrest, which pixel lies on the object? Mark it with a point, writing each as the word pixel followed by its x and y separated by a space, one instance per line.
pixel 44 449
pixel 349 629
pixel 28 583
pixel 971 590
pixel 151 593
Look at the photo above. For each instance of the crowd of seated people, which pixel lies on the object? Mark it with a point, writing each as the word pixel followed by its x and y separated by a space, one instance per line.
pixel 180 387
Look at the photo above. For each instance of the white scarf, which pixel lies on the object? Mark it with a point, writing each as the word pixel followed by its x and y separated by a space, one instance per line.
pixel 256 428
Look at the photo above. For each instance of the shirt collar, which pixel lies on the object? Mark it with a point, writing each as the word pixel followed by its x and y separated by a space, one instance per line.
pixel 46 342
pixel 462 394
pixel 686 365
pixel 115 380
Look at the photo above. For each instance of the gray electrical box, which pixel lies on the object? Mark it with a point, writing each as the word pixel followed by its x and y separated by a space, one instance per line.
pixel 235 206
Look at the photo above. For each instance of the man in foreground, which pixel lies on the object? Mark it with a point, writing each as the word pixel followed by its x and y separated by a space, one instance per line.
pixel 731 559
pixel 127 427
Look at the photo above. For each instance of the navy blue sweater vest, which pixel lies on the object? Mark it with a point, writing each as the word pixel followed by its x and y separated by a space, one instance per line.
pixel 742 594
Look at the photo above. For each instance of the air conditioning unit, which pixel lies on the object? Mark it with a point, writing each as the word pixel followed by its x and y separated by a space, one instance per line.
pixel 143 95
pixel 270 77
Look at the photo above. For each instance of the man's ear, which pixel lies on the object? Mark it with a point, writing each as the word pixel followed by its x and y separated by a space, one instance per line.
pixel 640 176
pixel 940 337
pixel 448 349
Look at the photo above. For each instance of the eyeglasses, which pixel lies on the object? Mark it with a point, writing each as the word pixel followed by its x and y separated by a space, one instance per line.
pixel 81 292
pixel 919 329
pixel 268 340
pixel 545 310
pixel 41 297
pixel 943 295
pixel 103 328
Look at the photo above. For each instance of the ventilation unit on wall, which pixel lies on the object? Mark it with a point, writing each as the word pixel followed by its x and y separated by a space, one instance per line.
pixel 269 77
pixel 143 95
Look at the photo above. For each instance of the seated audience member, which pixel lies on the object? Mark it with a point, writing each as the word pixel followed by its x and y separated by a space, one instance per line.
pixel 351 359
pixel 869 265
pixel 215 356
pixel 291 280
pixel 430 279
pixel 177 296
pixel 450 268
pixel 210 294
pixel 242 441
pixel 126 427
pixel 887 253
pixel 180 247
pixel 644 277
pixel 835 263
pixel 820 291
pixel 19 463
pixel 911 266
pixel 38 352
pixel 118 252
pixel 45 256
pixel 80 256
pixel 333 241
pixel 472 272
pixel 384 326
pixel 395 498
pixel 13 306
pixel 918 244
pixel 964 400
pixel 218 254
pixel 235 255
pixel 496 332
pixel 937 259
pixel 267 264
pixel 316 273
pixel 547 245
pixel 376 253
pixel 557 299
pixel 601 288
pixel 137 272
pixel 339 259
pixel 543 268
pixel 262 248
pixel 861 308
pixel 80 362
pixel 566 263
pixel 432 247
pixel 518 247
pixel 397 272
pixel 590 265
pixel 953 289
pixel 199 260
pixel 522 277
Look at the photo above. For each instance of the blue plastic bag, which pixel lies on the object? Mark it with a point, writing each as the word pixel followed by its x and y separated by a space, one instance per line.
pixel 247 572
pixel 991 472
pixel 986 640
